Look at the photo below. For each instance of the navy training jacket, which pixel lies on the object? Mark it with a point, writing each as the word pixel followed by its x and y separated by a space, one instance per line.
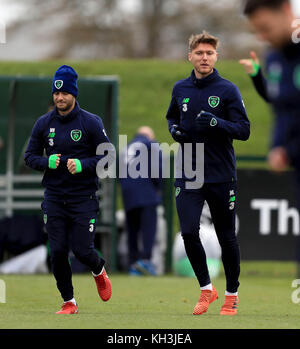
pixel 75 136
pixel 281 88
pixel 141 192
pixel 222 98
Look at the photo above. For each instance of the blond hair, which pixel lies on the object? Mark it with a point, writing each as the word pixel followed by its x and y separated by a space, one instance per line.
pixel 203 38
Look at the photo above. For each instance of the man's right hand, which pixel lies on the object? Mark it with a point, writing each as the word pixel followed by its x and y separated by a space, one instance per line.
pixel 278 159
pixel 54 161
pixel 251 64
pixel 178 134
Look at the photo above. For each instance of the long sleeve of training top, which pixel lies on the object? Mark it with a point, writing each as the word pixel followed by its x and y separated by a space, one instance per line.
pixel 34 154
pixel 74 136
pixel 236 125
pixel 260 85
pixel 173 114
pixel 280 126
pixel 281 88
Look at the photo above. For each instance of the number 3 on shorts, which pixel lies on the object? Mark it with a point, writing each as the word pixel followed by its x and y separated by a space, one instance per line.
pixel 92 224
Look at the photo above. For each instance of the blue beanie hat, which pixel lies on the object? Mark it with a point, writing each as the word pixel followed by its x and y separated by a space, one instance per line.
pixel 65 80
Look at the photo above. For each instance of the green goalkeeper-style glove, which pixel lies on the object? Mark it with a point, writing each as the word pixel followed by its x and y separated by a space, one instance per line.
pixel 256 68
pixel 78 166
pixel 52 161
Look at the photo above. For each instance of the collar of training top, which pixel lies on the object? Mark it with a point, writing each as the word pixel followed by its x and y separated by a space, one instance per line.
pixel 204 81
pixel 67 117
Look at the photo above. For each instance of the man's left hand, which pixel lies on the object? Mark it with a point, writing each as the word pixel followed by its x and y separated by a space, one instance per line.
pixel 205 121
pixel 74 166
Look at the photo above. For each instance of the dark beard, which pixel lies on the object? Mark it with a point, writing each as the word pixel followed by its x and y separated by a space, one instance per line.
pixel 66 108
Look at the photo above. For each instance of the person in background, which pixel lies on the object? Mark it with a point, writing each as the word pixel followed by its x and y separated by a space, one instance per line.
pixel 279 85
pixel 141 196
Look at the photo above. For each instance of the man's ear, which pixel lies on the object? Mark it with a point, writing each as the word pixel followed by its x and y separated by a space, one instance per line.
pixel 189 56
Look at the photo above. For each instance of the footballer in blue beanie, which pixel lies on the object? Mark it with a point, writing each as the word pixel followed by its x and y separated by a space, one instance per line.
pixel 65 80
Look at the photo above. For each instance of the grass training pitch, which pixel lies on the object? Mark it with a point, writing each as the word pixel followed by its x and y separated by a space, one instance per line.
pixel 164 302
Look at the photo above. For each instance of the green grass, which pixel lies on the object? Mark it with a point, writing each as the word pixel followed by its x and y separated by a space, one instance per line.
pixel 145 92
pixel 157 303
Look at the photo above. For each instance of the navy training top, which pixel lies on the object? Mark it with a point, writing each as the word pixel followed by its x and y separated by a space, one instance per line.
pixel 222 98
pixel 281 88
pixel 145 189
pixel 75 136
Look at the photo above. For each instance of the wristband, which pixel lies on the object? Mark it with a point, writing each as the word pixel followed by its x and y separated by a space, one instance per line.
pixel 256 68
pixel 78 166
pixel 52 161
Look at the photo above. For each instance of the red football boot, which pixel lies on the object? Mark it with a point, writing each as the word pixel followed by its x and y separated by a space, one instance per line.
pixel 206 298
pixel 68 308
pixel 103 285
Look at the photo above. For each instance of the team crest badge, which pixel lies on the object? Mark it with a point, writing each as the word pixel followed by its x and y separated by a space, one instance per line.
pixel 76 135
pixel 213 122
pixel 213 101
pixel 58 84
pixel 177 191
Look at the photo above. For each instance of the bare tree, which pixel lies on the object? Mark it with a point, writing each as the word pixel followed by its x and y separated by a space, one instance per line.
pixel 155 28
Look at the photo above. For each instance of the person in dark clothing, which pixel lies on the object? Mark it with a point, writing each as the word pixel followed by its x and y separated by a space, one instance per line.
pixel 70 136
pixel 206 108
pixel 141 196
pixel 280 85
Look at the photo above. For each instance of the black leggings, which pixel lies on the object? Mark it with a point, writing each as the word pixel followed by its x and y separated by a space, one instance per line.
pixel 221 199
pixel 71 226
pixel 141 221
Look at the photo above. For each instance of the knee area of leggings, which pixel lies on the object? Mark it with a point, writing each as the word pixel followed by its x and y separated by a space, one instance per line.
pixel 228 242
pixel 190 237
pixel 81 254
pixel 58 253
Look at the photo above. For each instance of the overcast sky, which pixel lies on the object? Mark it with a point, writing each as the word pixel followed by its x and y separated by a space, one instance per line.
pixel 9 10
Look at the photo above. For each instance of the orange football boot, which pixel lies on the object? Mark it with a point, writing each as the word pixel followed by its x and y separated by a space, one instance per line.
pixel 103 286
pixel 230 305
pixel 68 308
pixel 206 297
